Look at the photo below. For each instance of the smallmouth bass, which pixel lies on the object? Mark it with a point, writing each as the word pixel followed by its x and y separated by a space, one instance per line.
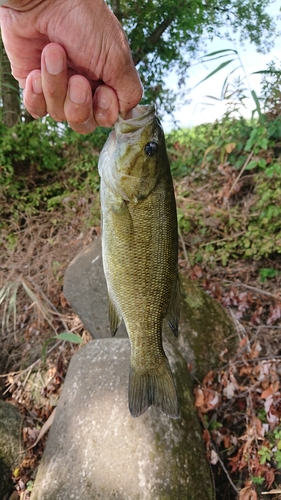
pixel 140 252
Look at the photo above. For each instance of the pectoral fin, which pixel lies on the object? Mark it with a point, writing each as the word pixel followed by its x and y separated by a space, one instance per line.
pixel 114 317
pixel 173 314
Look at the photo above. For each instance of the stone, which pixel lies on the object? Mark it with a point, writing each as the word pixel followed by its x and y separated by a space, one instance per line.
pixel 85 289
pixel 10 444
pixel 206 331
pixel 96 450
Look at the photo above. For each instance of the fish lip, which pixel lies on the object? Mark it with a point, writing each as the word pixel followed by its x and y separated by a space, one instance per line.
pixel 142 115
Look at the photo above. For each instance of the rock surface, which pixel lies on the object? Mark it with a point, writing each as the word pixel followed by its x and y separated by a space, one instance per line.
pixel 85 289
pixel 96 450
pixel 10 443
pixel 205 331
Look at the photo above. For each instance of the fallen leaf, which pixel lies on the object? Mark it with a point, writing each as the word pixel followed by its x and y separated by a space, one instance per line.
pixel 214 457
pixel 248 494
pixel 267 392
pixel 44 429
pixel 199 401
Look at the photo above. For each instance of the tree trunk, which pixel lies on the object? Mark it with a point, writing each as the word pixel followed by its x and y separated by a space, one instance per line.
pixel 9 91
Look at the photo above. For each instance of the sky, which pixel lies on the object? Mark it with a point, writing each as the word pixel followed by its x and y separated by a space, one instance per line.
pixel 197 112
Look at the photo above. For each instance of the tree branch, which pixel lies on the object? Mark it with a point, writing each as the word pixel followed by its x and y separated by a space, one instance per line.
pixel 152 40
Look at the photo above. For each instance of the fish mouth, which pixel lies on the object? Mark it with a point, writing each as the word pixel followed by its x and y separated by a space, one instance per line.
pixel 140 117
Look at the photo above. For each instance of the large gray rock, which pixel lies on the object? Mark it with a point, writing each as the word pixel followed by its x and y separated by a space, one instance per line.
pixel 85 289
pixel 96 450
pixel 206 332
pixel 10 444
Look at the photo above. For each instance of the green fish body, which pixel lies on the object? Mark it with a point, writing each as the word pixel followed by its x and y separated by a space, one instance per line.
pixel 140 252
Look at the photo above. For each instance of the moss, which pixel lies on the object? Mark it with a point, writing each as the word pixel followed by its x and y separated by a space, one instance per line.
pixel 186 467
pixel 10 444
pixel 205 330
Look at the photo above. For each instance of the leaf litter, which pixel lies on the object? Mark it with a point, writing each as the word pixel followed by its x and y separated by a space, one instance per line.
pixel 239 404
pixel 35 317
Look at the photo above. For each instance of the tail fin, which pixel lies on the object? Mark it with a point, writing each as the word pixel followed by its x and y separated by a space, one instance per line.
pixel 155 387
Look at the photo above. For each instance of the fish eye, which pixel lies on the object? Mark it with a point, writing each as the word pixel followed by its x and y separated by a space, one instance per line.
pixel 151 148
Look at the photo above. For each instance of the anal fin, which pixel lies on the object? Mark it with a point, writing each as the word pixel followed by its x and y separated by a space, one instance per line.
pixel 114 317
pixel 173 314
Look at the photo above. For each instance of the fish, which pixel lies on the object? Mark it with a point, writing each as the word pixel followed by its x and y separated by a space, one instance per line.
pixel 140 253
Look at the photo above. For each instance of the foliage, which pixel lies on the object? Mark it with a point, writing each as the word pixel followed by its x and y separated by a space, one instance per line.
pixel 270 89
pixel 43 164
pixel 235 165
pixel 164 35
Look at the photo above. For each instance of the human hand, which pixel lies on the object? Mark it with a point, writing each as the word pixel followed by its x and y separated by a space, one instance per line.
pixel 73 60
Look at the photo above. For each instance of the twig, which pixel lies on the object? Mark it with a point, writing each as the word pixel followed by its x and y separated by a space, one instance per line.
pixel 183 247
pixel 277 327
pixel 224 469
pixel 263 358
pixel 241 171
pixel 253 288
pixel 230 237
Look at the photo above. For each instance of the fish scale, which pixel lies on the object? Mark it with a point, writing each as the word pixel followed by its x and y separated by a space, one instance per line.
pixel 139 244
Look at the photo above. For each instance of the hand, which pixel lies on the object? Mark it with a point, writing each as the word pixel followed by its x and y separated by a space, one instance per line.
pixel 73 60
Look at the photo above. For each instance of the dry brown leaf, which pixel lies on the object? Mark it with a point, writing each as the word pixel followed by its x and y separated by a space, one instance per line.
pixel 230 147
pixel 269 477
pixel 257 425
pixel 199 401
pixel 63 300
pixel 44 429
pixel 214 457
pixel 267 392
pixel 248 493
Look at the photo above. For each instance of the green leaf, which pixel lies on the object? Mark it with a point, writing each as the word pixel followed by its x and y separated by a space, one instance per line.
pixel 69 337
pixel 267 72
pixel 257 103
pixel 220 52
pixel 257 479
pixel 267 272
pixel 262 163
pixel 252 164
pixel 265 454
pixel 221 66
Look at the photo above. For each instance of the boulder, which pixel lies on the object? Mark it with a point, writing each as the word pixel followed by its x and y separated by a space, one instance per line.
pixel 10 444
pixel 85 289
pixel 206 332
pixel 96 450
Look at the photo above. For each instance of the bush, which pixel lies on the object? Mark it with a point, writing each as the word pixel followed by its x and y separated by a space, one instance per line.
pixel 42 162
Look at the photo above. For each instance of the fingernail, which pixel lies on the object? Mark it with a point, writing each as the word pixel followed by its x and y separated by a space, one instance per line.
pixel 77 92
pixel 54 63
pixel 37 85
pixel 103 99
